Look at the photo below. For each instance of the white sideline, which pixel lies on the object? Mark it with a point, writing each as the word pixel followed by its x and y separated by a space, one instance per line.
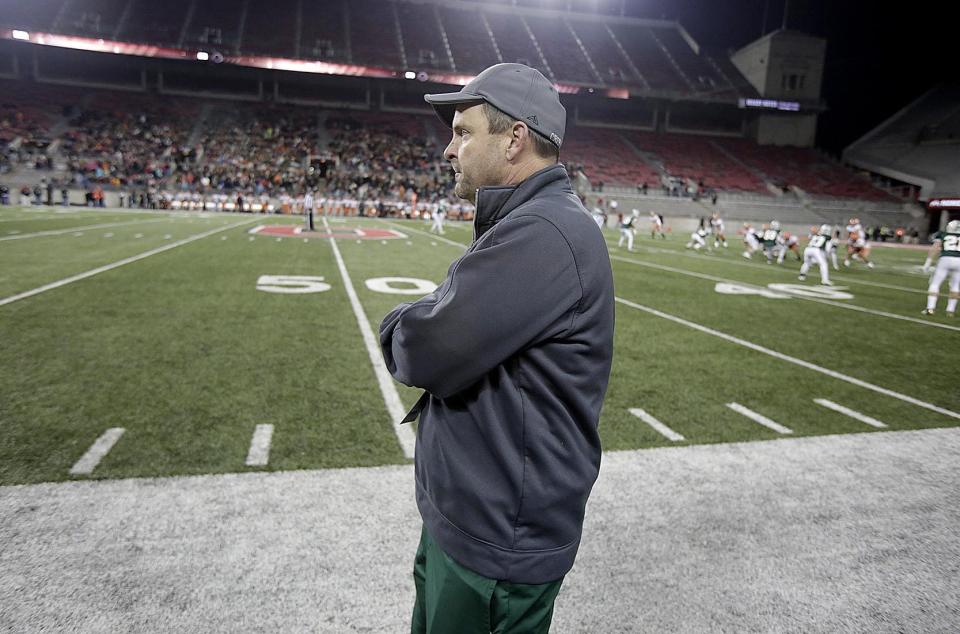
pixel 783 357
pixel 759 418
pixel 100 448
pixel 849 412
pixel 714 278
pixel 390 397
pixel 56 232
pixel 657 425
pixel 109 267
pixel 432 235
pixel 259 453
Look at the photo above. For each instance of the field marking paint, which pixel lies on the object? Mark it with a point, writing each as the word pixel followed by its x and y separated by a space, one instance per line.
pixel 118 264
pixel 828 302
pixel 435 237
pixel 759 418
pixel 783 357
pixel 259 453
pixel 100 448
pixel 863 418
pixel 389 391
pixel 56 232
pixel 758 266
pixel 657 425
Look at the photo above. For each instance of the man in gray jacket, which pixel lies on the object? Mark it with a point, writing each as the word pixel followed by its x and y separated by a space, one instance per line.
pixel 513 351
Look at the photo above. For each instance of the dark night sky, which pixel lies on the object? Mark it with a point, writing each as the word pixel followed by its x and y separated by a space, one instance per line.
pixel 880 57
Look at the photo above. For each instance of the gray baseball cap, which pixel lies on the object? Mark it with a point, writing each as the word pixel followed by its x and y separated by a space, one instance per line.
pixel 518 90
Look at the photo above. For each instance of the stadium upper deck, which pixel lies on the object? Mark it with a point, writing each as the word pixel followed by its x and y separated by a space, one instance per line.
pixel 654 56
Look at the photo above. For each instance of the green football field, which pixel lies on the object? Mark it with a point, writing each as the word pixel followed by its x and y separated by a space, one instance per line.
pixel 190 333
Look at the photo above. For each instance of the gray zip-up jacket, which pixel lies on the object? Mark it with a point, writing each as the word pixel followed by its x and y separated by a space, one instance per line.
pixel 514 351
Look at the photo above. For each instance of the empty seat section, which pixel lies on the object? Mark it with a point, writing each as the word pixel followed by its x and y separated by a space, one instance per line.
pixel 30 14
pixel 421 36
pixel 606 56
pixel 156 22
pixel 700 73
pixel 373 36
pixel 561 49
pixel 648 57
pixel 323 35
pixel 94 18
pixel 216 24
pixel 268 31
pixel 514 41
pixel 469 41
pixel 606 158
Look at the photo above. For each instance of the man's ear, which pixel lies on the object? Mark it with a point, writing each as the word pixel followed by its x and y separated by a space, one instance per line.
pixel 519 138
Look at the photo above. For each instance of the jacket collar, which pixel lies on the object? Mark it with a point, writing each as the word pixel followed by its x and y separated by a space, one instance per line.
pixel 494 203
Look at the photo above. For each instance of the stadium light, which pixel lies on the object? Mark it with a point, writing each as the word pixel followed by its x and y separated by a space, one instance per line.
pixel 203 56
pixel 20 35
pixel 409 75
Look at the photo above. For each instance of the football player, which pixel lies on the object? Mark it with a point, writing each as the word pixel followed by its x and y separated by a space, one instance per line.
pixel 716 225
pixel 790 243
pixel 656 225
pixel 750 240
pixel 857 247
pixel 946 245
pixel 770 238
pixel 698 239
pixel 628 229
pixel 816 252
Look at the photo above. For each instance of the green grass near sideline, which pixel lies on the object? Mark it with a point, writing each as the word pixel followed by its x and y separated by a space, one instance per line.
pixel 185 353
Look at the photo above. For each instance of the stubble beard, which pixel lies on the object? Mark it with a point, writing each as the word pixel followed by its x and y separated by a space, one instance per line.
pixel 464 189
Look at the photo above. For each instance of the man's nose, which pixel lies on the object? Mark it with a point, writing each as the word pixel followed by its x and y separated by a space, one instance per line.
pixel 450 152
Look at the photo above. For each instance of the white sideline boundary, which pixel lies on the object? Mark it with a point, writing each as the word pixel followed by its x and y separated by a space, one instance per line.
pixel 390 396
pixel 100 448
pixel 715 278
pixel 863 418
pixel 56 232
pixel 114 265
pixel 657 425
pixel 759 418
pixel 784 357
pixel 259 453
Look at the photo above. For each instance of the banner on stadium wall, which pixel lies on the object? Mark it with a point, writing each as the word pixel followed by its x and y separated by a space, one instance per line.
pixel 943 203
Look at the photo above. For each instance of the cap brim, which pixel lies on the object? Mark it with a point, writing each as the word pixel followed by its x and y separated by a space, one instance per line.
pixel 445 104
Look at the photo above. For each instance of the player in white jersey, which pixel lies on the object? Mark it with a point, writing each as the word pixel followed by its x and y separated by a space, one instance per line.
pixel 790 242
pixel 698 239
pixel 438 211
pixel 946 245
pixel 628 229
pixel 598 217
pixel 816 253
pixel 719 235
pixel 857 247
pixel 656 225
pixel 750 240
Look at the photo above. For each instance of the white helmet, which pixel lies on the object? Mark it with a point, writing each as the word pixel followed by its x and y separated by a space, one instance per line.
pixel 636 212
pixel 953 226
pixel 774 224
pixel 824 230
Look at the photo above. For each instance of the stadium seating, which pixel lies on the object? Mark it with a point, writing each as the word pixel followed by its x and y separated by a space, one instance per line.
pixel 560 48
pixel 606 159
pixel 469 41
pixel 422 40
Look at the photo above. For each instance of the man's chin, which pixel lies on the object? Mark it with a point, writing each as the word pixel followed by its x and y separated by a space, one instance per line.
pixel 463 190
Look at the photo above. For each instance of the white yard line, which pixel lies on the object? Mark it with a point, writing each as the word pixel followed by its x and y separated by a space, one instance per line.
pixel 828 302
pixel 89 461
pixel 863 418
pixel 759 418
pixel 114 265
pixel 391 398
pixel 783 357
pixel 758 266
pixel 56 232
pixel 657 425
pixel 259 453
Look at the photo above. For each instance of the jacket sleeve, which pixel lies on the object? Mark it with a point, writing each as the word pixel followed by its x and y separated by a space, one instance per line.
pixel 521 288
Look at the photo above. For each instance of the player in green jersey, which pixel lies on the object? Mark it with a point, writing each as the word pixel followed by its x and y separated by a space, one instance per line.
pixel 946 245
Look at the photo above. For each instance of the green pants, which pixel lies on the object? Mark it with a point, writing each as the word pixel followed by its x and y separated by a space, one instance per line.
pixel 454 600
